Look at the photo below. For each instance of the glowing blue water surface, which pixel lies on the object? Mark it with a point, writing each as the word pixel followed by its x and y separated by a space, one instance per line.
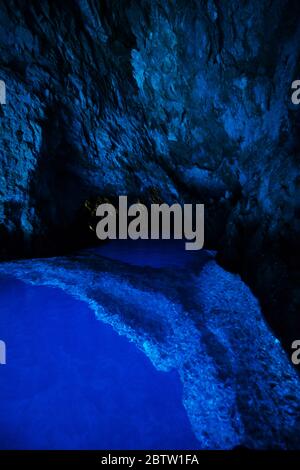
pixel 71 382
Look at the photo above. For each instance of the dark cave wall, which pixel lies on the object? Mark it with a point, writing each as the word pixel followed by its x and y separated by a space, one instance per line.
pixel 178 101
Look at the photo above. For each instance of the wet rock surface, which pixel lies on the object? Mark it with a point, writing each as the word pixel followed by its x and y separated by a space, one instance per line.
pixel 181 101
pixel 239 388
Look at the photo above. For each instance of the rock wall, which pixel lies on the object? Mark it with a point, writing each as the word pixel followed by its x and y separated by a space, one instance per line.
pixel 239 388
pixel 178 101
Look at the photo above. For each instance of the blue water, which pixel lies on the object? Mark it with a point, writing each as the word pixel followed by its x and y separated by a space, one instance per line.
pixel 71 382
pixel 154 253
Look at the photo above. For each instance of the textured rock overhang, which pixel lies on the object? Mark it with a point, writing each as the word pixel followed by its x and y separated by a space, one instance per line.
pixel 177 101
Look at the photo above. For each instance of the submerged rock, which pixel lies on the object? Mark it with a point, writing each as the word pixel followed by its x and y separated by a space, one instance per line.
pixel 239 388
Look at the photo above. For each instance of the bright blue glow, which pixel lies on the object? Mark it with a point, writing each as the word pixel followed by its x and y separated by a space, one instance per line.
pixel 71 382
pixel 155 253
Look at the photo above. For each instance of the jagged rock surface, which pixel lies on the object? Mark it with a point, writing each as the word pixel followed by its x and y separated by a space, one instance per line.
pixel 238 386
pixel 186 101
